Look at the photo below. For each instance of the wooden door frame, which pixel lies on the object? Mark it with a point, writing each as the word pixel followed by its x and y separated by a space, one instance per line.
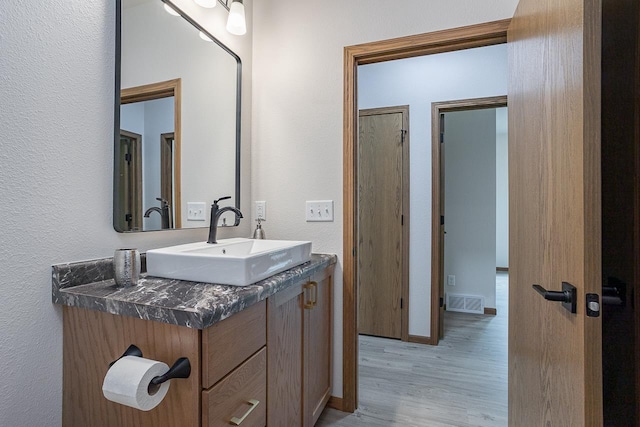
pixel 136 206
pixel 437 196
pixel 168 160
pixel 404 110
pixel 486 34
pixel 160 90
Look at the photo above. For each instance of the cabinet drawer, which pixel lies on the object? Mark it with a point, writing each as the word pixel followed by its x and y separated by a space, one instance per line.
pixel 242 394
pixel 228 343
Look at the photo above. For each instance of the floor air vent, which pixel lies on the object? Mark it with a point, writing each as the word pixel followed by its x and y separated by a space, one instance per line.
pixel 465 303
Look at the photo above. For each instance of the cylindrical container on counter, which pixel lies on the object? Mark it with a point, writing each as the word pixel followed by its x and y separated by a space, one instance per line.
pixel 126 267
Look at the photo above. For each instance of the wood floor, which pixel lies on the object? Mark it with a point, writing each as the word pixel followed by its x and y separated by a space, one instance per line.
pixel 461 382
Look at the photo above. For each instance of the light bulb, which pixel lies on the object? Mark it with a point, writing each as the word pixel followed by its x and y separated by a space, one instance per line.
pixel 236 24
pixel 206 3
pixel 205 37
pixel 170 10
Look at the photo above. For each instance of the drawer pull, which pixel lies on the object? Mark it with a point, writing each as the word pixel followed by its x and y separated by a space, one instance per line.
pixel 315 293
pixel 309 303
pixel 237 421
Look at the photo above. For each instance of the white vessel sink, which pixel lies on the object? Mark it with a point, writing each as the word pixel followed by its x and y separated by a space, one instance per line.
pixel 237 262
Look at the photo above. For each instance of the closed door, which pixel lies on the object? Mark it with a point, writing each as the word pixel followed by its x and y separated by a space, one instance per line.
pixel 555 363
pixel 382 197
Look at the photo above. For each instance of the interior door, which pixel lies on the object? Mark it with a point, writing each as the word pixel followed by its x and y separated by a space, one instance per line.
pixel 380 222
pixel 555 363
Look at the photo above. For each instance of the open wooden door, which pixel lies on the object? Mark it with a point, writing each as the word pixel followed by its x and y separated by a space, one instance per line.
pixel 555 362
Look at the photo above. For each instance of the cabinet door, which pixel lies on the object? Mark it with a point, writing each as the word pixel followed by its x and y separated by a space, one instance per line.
pixel 317 344
pixel 285 330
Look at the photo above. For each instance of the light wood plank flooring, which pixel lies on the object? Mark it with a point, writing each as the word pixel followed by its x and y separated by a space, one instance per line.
pixel 460 382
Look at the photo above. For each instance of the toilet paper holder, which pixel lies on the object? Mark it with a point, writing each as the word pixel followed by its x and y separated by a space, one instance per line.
pixel 180 369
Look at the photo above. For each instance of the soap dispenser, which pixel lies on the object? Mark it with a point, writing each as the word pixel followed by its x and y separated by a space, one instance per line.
pixel 258 233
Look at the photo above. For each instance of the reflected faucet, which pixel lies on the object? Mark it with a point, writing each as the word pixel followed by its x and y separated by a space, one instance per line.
pixel 164 211
pixel 215 215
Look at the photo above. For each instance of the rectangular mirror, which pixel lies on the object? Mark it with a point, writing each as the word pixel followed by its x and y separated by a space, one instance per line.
pixel 177 120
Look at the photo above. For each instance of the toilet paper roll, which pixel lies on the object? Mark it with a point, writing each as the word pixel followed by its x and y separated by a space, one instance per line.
pixel 127 382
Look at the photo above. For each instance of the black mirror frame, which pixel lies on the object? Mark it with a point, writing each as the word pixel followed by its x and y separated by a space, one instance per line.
pixel 116 110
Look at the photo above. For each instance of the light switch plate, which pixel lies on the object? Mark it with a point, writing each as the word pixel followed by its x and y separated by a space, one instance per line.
pixel 451 280
pixel 196 211
pixel 319 211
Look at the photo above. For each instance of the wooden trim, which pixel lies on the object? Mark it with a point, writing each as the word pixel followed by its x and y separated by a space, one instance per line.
pixel 167 149
pixel 149 92
pixel 406 192
pixel 160 90
pixel 504 269
pixel 490 311
pixel 177 155
pixel 437 202
pixel 335 403
pixel 441 41
pixel 136 205
pixel 419 339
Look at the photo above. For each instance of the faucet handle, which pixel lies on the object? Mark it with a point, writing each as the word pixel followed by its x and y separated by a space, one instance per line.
pixel 215 202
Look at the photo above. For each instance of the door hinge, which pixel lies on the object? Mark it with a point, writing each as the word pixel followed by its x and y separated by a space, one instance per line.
pixel 441 219
pixel 401 219
pixel 353 252
pixel 441 302
pixel 441 137
pixel 401 302
pixel 128 217
pixel 127 157
pixel 403 132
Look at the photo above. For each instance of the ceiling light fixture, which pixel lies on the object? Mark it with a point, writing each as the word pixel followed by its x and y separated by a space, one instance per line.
pixel 205 37
pixel 170 10
pixel 236 24
pixel 206 3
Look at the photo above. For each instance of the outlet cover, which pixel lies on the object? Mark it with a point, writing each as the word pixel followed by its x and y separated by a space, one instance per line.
pixel 261 210
pixel 196 211
pixel 319 211
pixel 451 280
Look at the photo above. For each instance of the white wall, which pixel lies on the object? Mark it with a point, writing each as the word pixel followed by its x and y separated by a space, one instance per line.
pixel 502 189
pixel 297 109
pixel 418 82
pixel 56 173
pixel 470 203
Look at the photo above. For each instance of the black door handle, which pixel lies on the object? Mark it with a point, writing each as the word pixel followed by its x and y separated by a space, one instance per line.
pixel 568 295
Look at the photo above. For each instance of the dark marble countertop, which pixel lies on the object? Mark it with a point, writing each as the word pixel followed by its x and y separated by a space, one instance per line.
pixel 90 284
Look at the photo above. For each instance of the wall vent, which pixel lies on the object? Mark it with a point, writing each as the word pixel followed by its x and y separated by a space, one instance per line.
pixel 465 303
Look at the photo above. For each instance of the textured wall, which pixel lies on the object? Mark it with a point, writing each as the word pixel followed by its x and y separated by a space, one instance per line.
pixel 56 81
pixel 297 114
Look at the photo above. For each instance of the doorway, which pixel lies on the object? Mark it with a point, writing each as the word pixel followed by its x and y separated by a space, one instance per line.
pixel 438 42
pixel 383 222
pixel 472 245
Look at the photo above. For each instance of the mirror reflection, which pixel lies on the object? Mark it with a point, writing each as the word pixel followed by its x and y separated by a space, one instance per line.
pixel 177 134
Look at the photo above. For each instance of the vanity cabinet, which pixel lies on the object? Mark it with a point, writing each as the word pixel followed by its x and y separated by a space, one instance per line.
pixel 269 364
pixel 299 349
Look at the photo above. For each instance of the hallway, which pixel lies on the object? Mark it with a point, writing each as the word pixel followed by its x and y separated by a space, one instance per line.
pixel 460 382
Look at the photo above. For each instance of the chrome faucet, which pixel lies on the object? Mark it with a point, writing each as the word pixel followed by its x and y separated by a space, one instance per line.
pixel 164 211
pixel 215 216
